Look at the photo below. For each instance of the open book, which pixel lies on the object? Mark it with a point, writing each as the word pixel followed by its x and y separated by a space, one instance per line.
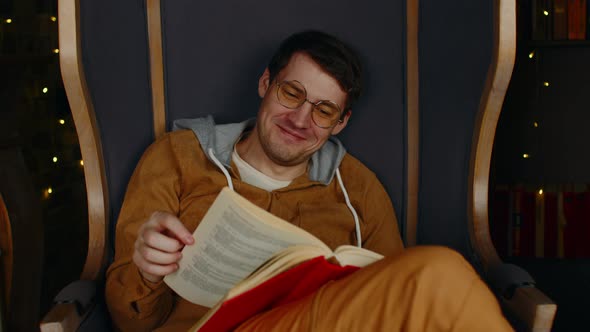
pixel 245 260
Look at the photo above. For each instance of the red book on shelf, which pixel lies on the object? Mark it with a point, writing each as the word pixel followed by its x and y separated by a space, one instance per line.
pixel 551 225
pixel 286 287
pixel 576 208
pixel 576 19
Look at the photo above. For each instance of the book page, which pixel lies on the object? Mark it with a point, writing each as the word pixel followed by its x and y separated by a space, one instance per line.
pixel 355 256
pixel 234 238
pixel 278 263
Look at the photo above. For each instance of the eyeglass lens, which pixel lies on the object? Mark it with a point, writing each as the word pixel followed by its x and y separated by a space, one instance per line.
pixel 292 94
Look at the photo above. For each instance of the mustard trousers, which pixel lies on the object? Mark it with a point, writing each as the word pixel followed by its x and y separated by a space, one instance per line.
pixel 423 289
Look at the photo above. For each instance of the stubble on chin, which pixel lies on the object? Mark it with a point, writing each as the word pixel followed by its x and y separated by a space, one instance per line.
pixel 280 153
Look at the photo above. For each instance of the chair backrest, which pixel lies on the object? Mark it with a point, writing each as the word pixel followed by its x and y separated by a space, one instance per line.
pixel 139 65
pixel 213 54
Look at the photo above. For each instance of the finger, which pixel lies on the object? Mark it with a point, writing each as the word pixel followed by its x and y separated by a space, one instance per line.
pixel 159 241
pixel 175 227
pixel 153 269
pixel 159 257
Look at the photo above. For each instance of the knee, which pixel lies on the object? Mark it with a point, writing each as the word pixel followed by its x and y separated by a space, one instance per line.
pixel 433 262
pixel 437 256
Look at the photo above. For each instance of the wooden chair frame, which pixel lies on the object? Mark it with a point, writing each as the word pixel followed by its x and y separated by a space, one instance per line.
pixel 527 303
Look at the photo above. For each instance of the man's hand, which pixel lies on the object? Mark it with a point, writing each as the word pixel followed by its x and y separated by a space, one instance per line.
pixel 158 245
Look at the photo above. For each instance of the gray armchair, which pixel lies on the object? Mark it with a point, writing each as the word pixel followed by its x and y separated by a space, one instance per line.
pixel 434 92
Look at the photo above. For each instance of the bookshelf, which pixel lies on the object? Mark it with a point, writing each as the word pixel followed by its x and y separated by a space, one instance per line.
pixel 539 203
pixel 541 142
pixel 558 43
pixel 557 20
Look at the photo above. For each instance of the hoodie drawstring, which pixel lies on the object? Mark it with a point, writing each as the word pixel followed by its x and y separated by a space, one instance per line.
pixel 348 204
pixel 357 225
pixel 225 172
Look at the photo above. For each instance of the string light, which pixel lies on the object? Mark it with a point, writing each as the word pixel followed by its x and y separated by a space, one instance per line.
pixel 546 13
pixel 47 192
pixel 546 83
pixel 541 191
pixel 45 90
pixel 56 50
pixel 54 159
pixel 8 20
pixel 525 155
pixel 62 121
pixel 53 18
pixel 532 54
pixel 535 124
pixel 81 162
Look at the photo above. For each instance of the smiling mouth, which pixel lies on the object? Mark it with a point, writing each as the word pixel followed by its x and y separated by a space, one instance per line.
pixel 290 133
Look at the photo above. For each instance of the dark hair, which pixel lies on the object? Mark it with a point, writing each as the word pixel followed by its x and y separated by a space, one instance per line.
pixel 336 58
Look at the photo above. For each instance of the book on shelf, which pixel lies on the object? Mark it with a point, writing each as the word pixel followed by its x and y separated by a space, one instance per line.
pixel 560 13
pixel 576 19
pixel 246 260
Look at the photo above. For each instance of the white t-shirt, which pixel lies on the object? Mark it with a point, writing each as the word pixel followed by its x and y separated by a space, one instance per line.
pixel 254 177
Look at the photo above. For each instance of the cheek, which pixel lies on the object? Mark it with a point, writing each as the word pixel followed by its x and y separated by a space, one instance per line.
pixel 321 135
pixel 268 109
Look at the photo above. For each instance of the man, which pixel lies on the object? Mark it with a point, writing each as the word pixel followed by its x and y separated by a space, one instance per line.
pixel 288 163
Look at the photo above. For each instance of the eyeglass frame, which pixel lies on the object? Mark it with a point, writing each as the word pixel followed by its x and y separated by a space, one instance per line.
pixel 313 109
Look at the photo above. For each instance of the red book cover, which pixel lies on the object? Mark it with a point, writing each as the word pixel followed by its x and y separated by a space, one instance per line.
pixel 576 207
pixel 576 19
pixel 286 287
pixel 574 235
pixel 585 221
pixel 551 225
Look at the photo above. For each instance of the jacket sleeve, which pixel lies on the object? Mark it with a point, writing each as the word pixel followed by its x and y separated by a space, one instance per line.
pixel 134 303
pixel 381 232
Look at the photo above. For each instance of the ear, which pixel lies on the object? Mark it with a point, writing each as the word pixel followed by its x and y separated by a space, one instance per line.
pixel 263 83
pixel 338 128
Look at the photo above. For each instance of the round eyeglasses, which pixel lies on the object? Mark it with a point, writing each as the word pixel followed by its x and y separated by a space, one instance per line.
pixel 324 113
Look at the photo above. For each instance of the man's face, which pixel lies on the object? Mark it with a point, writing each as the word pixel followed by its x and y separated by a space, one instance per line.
pixel 289 136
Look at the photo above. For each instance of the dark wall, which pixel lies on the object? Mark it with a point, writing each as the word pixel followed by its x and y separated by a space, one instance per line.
pixel 455 45
pixel 115 56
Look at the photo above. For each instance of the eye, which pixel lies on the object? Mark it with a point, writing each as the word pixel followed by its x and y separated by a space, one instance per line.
pixel 326 111
pixel 292 92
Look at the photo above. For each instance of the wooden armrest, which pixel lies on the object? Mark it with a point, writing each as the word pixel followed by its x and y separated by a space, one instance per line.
pixel 61 318
pixel 71 305
pixel 533 308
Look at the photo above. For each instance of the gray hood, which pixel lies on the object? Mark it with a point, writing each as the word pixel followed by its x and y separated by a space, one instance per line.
pixel 222 138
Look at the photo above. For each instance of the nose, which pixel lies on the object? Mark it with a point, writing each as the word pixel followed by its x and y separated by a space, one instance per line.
pixel 301 116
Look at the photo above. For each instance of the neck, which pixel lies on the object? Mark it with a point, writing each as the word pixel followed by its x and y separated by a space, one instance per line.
pixel 251 151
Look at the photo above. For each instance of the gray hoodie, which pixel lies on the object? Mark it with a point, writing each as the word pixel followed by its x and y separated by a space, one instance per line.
pixel 222 138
